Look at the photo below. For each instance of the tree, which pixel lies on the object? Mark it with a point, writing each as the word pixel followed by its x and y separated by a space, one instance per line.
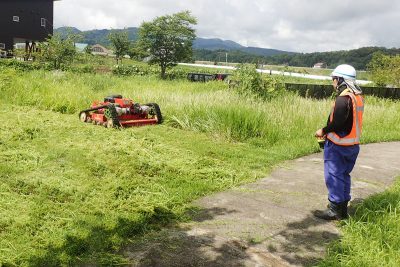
pixel 88 50
pixel 135 52
pixel 58 51
pixel 385 69
pixel 168 39
pixel 120 42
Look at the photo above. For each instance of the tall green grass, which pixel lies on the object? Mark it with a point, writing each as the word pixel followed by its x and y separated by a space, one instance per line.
pixel 372 236
pixel 74 193
pixel 210 107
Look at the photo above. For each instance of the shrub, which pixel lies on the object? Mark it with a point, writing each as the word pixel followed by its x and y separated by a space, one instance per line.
pixel 58 51
pixel 385 70
pixel 247 81
pixel 20 65
pixel 87 68
pixel 129 70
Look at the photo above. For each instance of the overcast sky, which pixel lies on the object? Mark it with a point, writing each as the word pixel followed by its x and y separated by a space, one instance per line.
pixel 291 25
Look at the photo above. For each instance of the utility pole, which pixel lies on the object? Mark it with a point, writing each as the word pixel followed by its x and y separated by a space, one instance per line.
pixel 226 58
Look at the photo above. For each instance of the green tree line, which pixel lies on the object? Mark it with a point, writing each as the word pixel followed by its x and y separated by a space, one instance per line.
pixel 359 58
pixel 165 41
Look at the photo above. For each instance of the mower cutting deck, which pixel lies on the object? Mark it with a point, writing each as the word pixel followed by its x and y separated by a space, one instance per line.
pixel 117 111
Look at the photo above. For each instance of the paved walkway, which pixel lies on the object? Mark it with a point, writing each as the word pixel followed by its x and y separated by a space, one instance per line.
pixel 270 222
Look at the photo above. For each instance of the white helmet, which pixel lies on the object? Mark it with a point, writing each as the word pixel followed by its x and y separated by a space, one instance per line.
pixel 345 71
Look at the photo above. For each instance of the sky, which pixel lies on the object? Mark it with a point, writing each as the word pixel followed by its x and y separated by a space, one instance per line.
pixel 291 25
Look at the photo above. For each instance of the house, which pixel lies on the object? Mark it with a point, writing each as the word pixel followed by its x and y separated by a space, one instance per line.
pixel 101 50
pixel 319 65
pixel 25 21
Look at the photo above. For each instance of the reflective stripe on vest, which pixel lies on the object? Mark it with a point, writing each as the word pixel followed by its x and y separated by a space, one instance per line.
pixel 353 138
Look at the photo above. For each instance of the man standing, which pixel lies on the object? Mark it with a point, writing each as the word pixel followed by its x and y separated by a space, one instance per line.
pixel 342 135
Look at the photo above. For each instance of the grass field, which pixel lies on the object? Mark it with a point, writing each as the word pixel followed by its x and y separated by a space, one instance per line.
pixel 372 236
pixel 74 193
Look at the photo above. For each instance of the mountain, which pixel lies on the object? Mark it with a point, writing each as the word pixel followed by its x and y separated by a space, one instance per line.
pixel 358 58
pixel 215 44
pixel 101 37
pixel 265 51
pixel 218 44
pixel 96 36
pixel 219 50
pixel 67 30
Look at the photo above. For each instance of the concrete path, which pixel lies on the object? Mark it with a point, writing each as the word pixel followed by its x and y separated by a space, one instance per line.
pixel 270 222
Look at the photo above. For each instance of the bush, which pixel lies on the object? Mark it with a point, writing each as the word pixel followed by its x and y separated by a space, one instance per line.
pixel 129 70
pixel 385 70
pixel 136 70
pixel 87 68
pixel 20 65
pixel 31 66
pixel 175 73
pixel 247 81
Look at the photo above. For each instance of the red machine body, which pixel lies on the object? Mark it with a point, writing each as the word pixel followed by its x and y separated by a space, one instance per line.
pixel 116 111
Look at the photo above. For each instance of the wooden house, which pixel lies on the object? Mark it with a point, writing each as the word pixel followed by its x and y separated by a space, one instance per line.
pixel 25 21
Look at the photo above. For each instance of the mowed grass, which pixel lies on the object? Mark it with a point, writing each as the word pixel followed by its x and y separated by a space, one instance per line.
pixel 74 193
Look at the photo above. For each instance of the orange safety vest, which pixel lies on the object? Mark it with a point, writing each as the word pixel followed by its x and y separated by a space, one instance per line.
pixel 353 138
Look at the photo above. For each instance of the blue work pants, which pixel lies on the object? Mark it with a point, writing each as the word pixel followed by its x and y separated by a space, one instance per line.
pixel 338 163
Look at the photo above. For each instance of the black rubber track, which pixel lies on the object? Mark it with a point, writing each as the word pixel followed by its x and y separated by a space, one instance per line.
pixel 114 115
pixel 157 110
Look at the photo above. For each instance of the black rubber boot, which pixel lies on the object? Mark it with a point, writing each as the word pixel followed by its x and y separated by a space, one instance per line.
pixel 345 214
pixel 334 212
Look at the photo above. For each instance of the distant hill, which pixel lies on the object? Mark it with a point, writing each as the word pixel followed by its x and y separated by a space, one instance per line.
pixel 215 44
pixel 96 36
pixel 227 45
pixel 67 30
pixel 359 58
pixel 215 50
pixel 265 51
pixel 101 37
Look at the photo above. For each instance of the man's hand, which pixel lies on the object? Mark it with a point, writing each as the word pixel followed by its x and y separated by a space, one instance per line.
pixel 319 133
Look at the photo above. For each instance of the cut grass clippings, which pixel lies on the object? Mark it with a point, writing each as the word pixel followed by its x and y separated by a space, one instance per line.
pixel 74 193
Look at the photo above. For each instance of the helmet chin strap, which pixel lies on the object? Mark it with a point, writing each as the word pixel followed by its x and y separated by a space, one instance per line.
pixel 341 85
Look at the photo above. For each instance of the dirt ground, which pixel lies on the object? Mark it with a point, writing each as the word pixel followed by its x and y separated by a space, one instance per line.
pixel 269 222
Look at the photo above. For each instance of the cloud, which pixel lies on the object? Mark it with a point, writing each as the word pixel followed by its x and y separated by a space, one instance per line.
pixel 293 25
